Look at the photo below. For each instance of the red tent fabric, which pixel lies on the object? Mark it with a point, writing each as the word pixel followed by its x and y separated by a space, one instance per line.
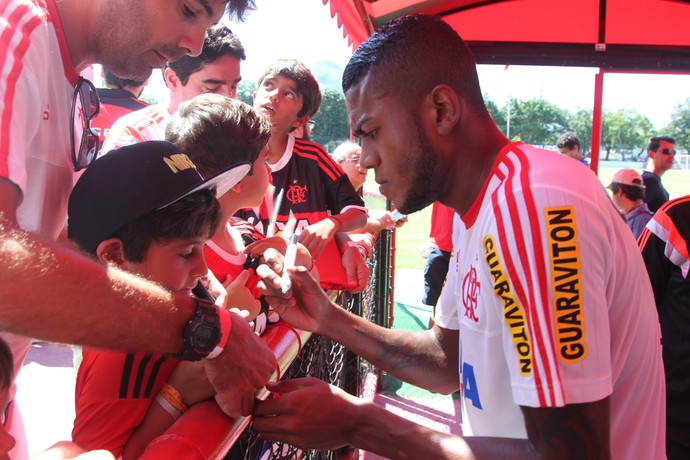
pixel 649 36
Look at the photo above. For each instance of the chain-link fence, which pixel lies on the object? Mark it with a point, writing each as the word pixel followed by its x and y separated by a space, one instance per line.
pixel 331 362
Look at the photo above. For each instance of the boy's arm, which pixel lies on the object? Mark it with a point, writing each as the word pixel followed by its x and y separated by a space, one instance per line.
pixel 51 292
pixel 316 236
pixel 189 379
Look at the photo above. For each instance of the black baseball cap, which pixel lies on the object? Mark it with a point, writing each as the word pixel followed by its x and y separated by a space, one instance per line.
pixel 134 181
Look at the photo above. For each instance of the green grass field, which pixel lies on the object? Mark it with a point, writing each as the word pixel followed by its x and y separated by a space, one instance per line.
pixel 415 232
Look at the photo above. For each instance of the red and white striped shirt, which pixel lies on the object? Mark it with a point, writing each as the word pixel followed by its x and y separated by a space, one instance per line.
pixel 553 304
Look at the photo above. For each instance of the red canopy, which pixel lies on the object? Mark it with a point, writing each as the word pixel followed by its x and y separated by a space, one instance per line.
pixel 650 36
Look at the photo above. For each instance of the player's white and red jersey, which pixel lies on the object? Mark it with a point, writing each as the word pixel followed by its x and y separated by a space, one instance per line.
pixel 553 304
pixel 147 124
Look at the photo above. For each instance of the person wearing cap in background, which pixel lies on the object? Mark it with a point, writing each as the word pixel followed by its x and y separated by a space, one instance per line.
pixel 662 153
pixel 146 210
pixel 628 192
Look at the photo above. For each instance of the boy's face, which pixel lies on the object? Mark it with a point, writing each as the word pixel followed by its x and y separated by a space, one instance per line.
pixel 278 98
pixel 176 265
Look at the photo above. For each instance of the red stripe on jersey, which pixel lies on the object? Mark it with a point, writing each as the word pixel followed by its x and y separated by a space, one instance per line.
pixel 315 152
pixel 532 291
pixel 510 267
pixel 675 237
pixel 18 52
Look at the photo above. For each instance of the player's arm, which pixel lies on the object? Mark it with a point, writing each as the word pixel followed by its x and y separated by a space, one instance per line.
pixel 424 358
pixel 572 432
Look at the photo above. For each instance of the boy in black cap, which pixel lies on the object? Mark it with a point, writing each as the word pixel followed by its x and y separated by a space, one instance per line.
pixel 148 211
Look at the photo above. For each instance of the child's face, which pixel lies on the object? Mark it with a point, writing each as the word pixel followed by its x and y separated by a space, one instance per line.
pixel 278 98
pixel 176 265
pixel 253 188
pixel 6 440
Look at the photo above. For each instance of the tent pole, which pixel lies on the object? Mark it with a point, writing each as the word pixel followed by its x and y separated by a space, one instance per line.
pixel 596 119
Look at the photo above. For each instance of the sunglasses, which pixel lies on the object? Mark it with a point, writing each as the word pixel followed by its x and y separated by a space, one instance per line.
pixel 668 152
pixel 85 107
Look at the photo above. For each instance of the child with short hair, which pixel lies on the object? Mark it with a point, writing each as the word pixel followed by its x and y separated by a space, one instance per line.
pixel 206 129
pixel 315 188
pixel 145 210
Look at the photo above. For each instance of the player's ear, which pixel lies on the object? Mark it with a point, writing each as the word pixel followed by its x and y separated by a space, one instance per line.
pixel 447 108
pixel 111 251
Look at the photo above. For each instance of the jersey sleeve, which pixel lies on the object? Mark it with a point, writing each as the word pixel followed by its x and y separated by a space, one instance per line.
pixel 549 266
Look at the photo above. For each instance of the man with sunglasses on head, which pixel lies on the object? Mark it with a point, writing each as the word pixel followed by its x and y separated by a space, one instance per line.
pixel 662 153
pixel 49 291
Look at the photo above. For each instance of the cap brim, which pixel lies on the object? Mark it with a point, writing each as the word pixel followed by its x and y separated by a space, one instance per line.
pixel 222 180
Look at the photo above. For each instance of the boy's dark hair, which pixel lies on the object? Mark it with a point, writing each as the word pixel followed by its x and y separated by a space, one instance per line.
pixel 427 50
pixel 655 142
pixel 219 41
pixel 114 81
pixel 196 215
pixel 568 140
pixel 631 192
pixel 6 365
pixel 216 131
pixel 306 83
pixel 239 8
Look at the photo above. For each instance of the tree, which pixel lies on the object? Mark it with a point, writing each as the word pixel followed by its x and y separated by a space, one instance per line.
pixel 496 113
pixel 624 132
pixel 679 126
pixel 536 121
pixel 245 90
pixel 331 122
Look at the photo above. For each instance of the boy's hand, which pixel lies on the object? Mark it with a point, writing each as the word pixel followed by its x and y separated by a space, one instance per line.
pixel 240 297
pixel 316 236
pixel 356 269
pixel 243 368
pixel 305 305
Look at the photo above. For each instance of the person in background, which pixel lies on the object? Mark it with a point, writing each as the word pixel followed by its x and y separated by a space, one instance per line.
pixel 118 98
pixel 438 257
pixel 50 44
pixel 627 192
pixel 215 70
pixel 347 155
pixel 662 153
pixel 664 245
pixel 568 144
pixel 545 323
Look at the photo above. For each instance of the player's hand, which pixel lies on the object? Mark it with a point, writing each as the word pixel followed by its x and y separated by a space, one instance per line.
pixel 305 305
pixel 244 367
pixel 356 269
pixel 316 236
pixel 291 418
